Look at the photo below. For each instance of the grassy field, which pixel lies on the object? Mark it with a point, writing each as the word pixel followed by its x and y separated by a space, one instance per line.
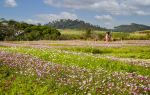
pixel 70 34
pixel 142 52
pixel 58 68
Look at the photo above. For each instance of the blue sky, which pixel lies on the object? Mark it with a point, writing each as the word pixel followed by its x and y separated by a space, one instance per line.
pixel 106 13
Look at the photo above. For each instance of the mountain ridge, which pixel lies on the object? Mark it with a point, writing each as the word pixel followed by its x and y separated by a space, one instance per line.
pixel 74 24
pixel 133 27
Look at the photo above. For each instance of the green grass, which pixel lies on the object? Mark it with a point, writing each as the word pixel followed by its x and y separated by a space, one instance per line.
pixel 80 60
pixel 57 44
pixel 92 75
pixel 70 34
pixel 141 52
pixel 71 31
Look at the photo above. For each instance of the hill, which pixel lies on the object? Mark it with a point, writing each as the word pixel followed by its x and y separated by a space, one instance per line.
pixel 74 24
pixel 133 27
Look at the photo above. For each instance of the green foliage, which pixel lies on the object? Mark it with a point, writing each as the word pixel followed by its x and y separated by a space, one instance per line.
pixel 88 33
pixel 40 33
pixel 13 30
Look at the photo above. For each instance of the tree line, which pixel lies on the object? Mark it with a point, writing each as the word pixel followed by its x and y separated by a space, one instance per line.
pixel 13 30
pixel 74 24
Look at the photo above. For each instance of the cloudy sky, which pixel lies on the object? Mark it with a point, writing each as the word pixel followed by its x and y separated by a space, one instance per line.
pixel 106 13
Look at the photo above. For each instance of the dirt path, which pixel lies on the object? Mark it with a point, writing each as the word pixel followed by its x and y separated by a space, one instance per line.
pixel 54 44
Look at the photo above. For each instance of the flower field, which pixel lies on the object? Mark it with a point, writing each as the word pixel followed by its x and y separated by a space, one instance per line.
pixel 74 71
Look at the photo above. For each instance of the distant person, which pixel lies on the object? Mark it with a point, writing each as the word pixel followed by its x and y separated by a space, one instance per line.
pixel 107 37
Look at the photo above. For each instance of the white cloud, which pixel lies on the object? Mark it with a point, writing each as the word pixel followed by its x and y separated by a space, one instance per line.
pixel 75 4
pixel 139 2
pixel 53 17
pixel 106 18
pixel 115 7
pixel 45 18
pixel 105 6
pixel 10 3
pixel 142 13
